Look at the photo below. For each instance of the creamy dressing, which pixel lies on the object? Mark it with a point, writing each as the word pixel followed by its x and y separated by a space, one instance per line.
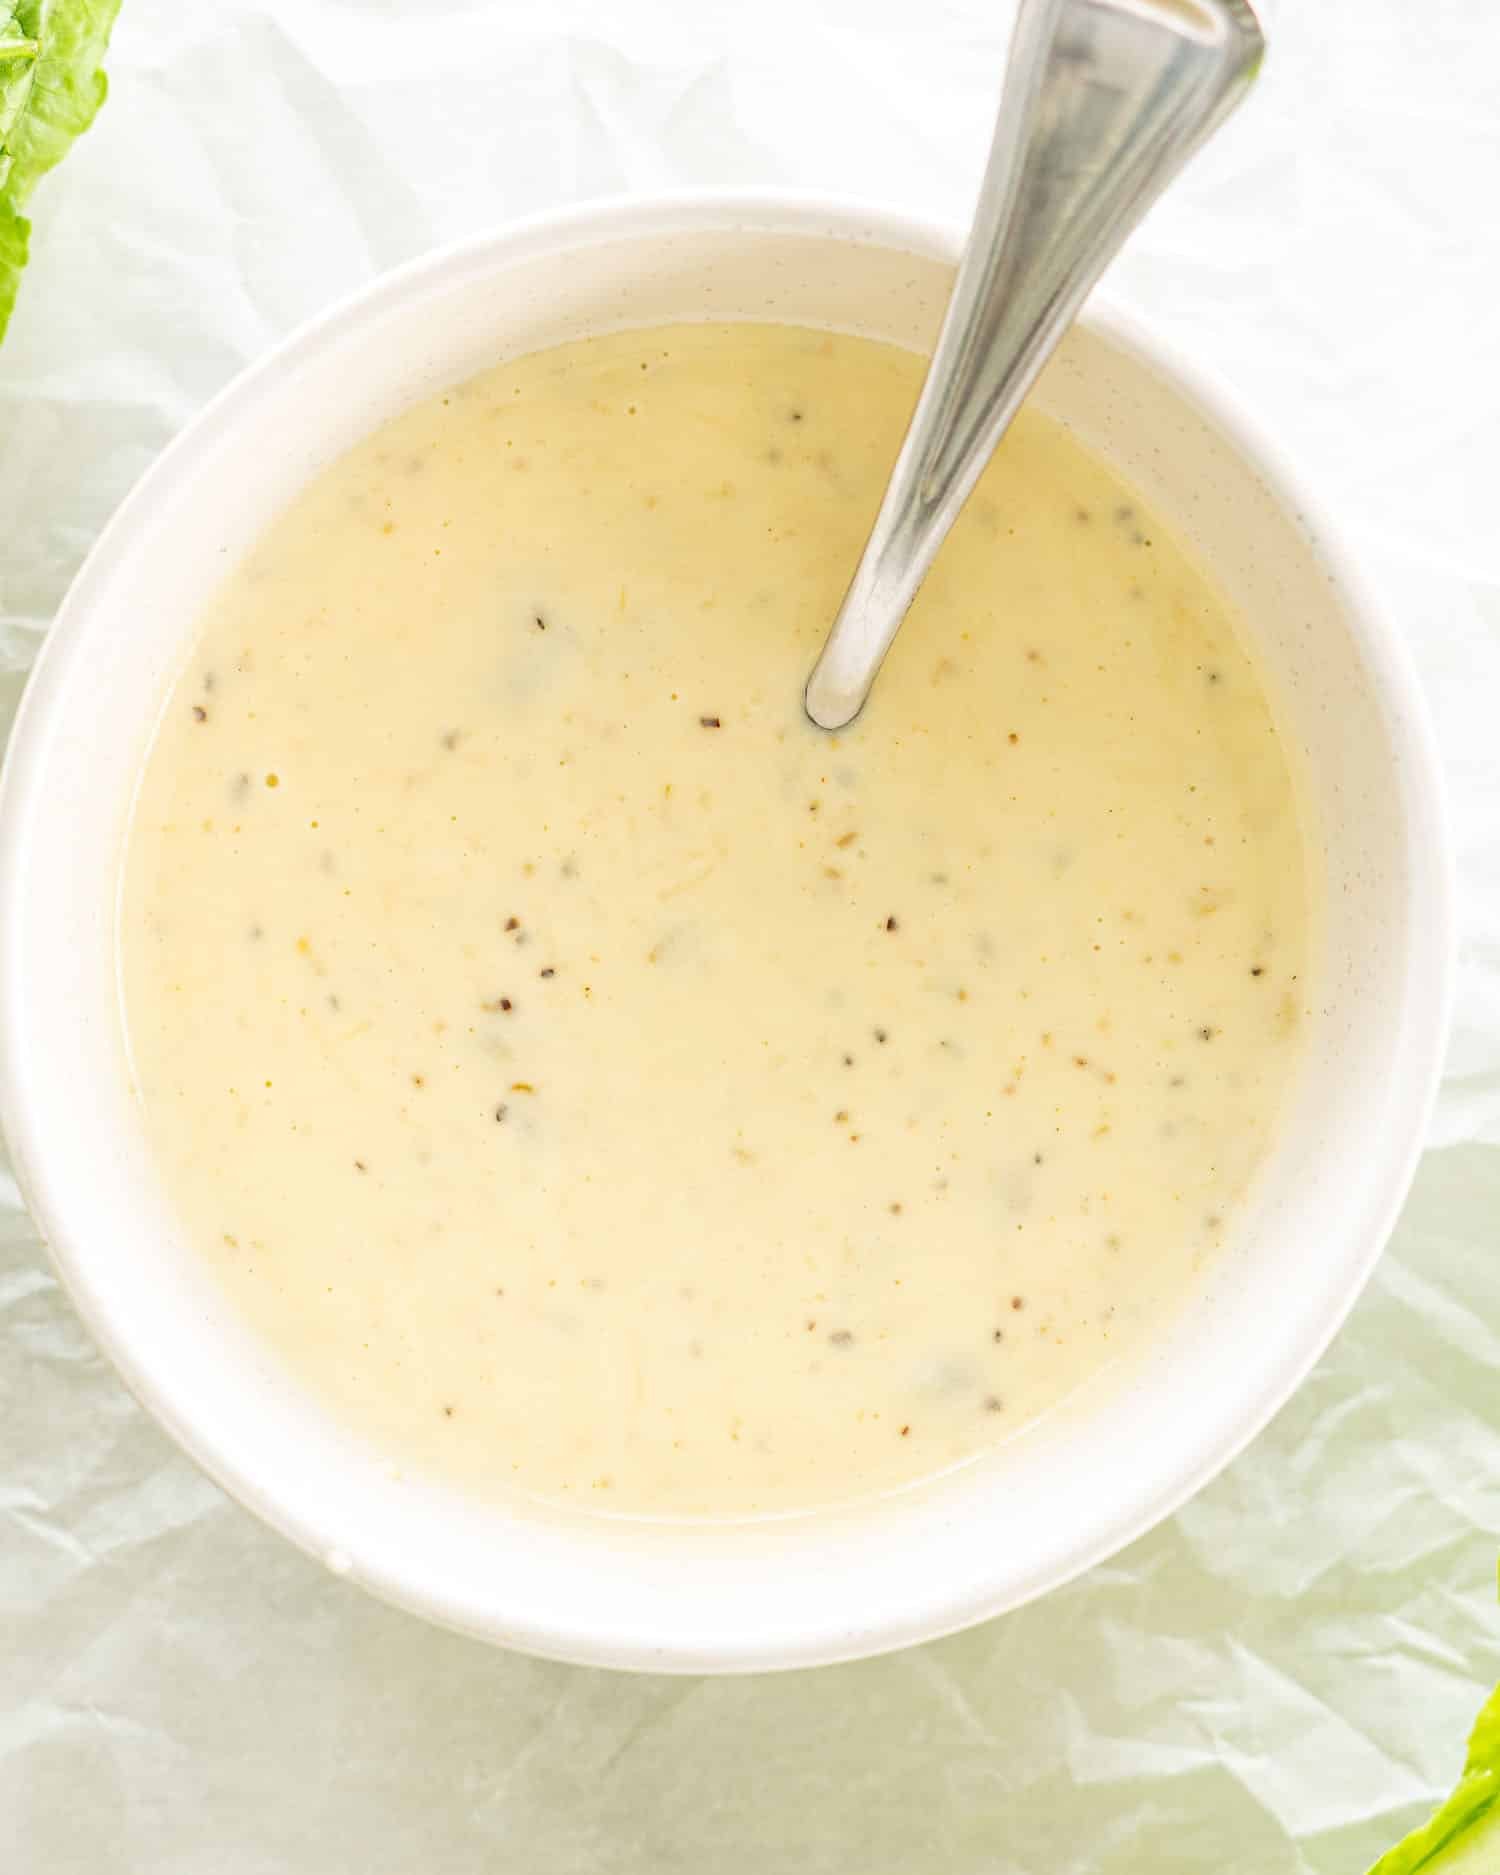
pixel 599 1083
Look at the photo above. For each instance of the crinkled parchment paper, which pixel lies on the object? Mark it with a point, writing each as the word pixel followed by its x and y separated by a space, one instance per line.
pixel 1278 1679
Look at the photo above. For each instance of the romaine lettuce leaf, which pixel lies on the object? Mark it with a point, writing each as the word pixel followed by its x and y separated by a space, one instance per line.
pixel 50 89
pixel 1463 1838
pixel 17 69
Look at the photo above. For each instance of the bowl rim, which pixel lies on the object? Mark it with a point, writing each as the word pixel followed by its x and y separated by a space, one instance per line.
pixel 43 1175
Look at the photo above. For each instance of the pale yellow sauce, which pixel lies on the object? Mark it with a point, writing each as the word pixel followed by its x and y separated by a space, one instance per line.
pixel 597 1081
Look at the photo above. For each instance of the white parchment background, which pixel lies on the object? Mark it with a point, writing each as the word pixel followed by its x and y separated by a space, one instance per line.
pixel 1279 1679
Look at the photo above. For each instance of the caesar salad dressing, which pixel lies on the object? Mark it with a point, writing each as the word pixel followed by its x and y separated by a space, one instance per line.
pixel 600 1083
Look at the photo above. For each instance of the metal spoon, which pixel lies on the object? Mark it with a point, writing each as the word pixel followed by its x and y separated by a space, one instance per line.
pixel 1104 101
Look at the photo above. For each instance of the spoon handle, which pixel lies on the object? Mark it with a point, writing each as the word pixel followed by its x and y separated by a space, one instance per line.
pixel 1104 101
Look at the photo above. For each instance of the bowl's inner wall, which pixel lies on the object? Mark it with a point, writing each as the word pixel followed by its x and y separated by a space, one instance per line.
pixel 619 1591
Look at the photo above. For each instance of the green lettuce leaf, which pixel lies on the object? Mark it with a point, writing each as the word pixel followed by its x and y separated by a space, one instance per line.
pixel 51 86
pixel 1463 1838
pixel 17 69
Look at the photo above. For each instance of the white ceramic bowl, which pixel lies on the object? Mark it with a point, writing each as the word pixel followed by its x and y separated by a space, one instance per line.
pixel 804 1589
